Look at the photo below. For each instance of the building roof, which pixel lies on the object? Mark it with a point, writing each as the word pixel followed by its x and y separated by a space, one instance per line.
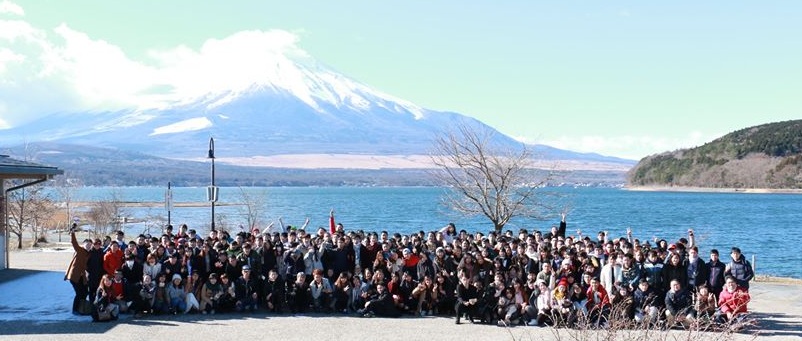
pixel 17 169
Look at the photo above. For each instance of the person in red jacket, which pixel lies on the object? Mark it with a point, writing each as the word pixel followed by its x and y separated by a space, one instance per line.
pixel 732 300
pixel 113 259
pixel 598 304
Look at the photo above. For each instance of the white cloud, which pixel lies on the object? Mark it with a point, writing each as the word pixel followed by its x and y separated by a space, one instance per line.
pixel 629 147
pixel 45 71
pixel 7 56
pixel 11 8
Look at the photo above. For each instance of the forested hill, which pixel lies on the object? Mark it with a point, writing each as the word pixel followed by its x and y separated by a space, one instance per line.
pixel 764 156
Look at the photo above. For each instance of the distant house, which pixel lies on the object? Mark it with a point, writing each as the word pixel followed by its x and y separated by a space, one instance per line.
pixel 31 173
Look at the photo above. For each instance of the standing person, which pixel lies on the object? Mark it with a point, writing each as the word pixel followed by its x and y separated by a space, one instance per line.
pixel 76 272
pixel 113 259
pixel 698 273
pixel 94 268
pixel 611 273
pixel 716 270
pixel 740 269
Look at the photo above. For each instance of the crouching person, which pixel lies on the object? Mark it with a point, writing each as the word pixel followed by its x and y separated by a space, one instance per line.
pixel 704 305
pixel 382 306
pixel 176 295
pixel 320 290
pixel 210 295
pixel 732 301
pixel 646 302
pixel 678 305
pixel 467 298
pixel 247 291
pixel 274 292
pixel 105 309
pixel 147 295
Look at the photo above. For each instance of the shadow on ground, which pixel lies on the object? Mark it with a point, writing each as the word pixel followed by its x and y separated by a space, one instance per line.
pixel 777 324
pixel 15 274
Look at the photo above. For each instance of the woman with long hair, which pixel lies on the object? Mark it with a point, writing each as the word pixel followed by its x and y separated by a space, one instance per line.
pixel 105 309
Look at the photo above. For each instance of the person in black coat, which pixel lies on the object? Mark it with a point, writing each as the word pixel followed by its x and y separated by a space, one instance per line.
pixel 698 272
pixel 94 268
pixel 467 299
pixel 274 292
pixel 678 304
pixel 715 278
pixel 382 305
pixel 298 295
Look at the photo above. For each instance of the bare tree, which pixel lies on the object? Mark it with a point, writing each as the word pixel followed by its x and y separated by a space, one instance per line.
pixel 106 215
pixel 485 178
pixel 28 209
pixel 252 207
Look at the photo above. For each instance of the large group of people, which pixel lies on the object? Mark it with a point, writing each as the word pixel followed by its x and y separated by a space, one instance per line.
pixel 529 278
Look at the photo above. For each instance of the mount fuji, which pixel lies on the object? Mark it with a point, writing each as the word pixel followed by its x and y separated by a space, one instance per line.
pixel 290 106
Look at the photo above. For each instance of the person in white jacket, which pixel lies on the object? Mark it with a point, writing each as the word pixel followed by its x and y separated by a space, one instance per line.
pixel 611 273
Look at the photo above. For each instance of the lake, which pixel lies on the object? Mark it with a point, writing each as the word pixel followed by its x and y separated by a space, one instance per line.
pixel 764 225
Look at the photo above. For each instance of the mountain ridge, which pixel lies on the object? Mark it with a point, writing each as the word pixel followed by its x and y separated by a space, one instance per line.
pixel 764 156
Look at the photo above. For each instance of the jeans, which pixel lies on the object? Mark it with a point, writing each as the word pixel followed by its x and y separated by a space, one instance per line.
pixel 178 304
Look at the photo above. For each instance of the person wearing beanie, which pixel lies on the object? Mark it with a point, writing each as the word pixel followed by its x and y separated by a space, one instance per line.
pixel 176 295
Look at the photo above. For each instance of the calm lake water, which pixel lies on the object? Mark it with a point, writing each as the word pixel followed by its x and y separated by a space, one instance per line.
pixel 764 225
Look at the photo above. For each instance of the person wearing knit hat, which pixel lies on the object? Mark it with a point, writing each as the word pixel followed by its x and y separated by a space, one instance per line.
pixel 176 295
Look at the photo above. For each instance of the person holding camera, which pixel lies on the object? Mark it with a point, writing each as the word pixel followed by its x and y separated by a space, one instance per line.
pixel 76 272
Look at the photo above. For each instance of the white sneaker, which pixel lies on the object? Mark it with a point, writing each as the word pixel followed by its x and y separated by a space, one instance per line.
pixel 532 323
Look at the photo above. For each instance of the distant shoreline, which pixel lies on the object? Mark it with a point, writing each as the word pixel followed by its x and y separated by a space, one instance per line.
pixel 712 190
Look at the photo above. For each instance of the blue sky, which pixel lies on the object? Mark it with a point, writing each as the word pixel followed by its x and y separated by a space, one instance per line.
pixel 621 78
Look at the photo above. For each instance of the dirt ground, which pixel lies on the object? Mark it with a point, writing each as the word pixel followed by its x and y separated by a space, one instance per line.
pixel 777 306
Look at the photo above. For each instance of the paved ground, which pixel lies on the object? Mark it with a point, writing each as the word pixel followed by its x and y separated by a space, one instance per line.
pixel 778 307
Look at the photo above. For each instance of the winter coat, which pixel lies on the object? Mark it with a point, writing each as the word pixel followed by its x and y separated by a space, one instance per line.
pixel 76 272
pixel 742 271
pixel 176 292
pixel 733 301
pixel 112 261
pixel 677 302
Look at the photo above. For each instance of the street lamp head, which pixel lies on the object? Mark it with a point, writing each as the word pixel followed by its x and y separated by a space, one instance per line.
pixel 211 148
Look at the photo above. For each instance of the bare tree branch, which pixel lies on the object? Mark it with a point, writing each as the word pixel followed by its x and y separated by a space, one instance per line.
pixel 485 178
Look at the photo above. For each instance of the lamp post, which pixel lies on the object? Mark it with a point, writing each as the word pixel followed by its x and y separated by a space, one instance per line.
pixel 211 193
